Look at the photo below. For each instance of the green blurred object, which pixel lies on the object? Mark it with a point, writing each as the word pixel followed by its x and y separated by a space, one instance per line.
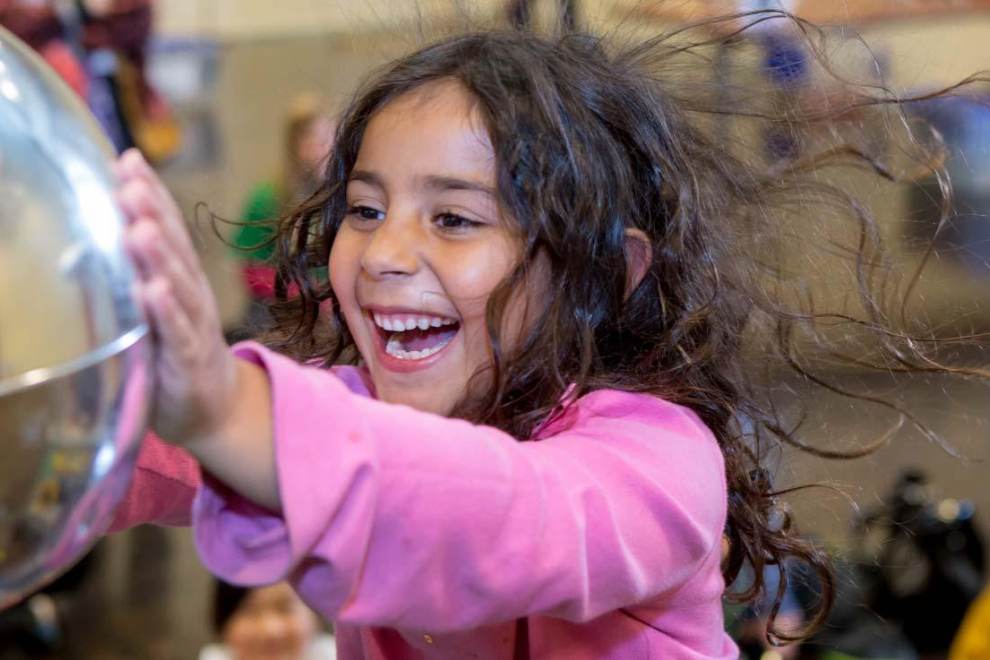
pixel 253 238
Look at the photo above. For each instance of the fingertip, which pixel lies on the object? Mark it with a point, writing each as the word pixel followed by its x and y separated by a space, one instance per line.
pixel 132 164
pixel 136 234
pixel 158 293
pixel 142 240
pixel 125 200
pixel 142 166
pixel 131 157
pixel 125 163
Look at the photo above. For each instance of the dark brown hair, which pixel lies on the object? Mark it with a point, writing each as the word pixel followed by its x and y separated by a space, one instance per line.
pixel 592 138
pixel 227 599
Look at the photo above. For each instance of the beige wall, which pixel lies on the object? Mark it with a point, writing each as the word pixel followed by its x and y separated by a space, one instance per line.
pixel 934 51
pixel 253 19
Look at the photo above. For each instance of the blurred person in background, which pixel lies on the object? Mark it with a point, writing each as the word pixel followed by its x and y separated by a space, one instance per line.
pixel 307 139
pixel 115 36
pixel 265 623
pixel 99 48
pixel 41 26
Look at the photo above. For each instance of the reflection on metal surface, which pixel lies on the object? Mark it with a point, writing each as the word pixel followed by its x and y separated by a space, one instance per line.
pixel 74 347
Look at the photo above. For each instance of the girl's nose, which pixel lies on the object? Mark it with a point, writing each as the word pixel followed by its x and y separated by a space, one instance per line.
pixel 392 250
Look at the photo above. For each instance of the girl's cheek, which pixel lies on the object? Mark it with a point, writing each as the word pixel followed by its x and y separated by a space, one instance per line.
pixel 336 270
pixel 342 268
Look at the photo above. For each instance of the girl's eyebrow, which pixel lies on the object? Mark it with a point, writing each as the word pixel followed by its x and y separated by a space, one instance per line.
pixel 433 182
pixel 452 183
pixel 364 176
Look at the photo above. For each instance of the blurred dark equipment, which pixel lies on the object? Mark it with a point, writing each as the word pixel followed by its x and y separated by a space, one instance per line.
pixel 929 562
pixel 852 630
pixel 35 627
pixel 916 564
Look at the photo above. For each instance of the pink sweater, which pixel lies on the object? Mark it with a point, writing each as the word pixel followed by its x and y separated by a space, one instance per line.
pixel 427 537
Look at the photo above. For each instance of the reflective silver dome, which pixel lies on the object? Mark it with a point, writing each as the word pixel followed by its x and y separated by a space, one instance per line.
pixel 74 347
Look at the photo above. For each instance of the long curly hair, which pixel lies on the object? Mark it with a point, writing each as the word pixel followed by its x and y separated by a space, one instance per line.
pixel 591 138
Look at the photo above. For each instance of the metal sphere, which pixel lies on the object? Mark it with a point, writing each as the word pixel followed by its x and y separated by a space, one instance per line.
pixel 74 345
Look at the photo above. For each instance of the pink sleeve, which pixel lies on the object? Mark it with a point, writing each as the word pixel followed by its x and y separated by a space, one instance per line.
pixel 162 488
pixel 399 518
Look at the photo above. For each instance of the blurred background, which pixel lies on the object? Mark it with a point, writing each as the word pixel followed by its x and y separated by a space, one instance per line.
pixel 233 100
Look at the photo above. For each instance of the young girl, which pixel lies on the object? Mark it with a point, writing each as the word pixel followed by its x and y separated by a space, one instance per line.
pixel 537 298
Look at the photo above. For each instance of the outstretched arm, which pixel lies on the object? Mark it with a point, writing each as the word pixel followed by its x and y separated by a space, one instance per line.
pixel 213 405
pixel 400 518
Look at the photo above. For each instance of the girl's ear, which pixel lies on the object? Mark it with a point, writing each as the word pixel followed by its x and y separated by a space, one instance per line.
pixel 639 255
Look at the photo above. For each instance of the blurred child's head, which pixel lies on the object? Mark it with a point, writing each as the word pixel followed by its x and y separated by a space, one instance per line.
pixel 308 139
pixel 264 623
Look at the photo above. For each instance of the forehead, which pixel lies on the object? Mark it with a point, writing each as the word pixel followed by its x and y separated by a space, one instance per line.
pixel 435 129
pixel 270 595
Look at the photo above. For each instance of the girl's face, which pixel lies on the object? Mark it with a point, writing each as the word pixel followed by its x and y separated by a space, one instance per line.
pixel 422 247
pixel 271 623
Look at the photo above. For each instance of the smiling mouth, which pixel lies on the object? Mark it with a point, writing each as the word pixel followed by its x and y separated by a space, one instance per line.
pixel 412 337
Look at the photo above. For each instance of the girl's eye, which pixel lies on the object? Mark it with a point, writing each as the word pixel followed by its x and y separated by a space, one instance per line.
pixel 365 213
pixel 454 222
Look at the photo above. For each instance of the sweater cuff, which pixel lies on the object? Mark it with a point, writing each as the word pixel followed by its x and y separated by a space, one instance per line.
pixel 239 541
pixel 323 490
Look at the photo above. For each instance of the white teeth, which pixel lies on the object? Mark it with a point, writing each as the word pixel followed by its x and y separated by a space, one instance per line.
pixel 403 323
pixel 394 348
pixel 399 324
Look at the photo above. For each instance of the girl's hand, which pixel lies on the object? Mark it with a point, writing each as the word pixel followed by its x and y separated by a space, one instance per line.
pixel 196 375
